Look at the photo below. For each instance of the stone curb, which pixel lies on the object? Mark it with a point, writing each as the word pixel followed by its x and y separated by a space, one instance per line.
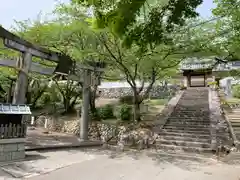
pixel 84 144
pixel 229 124
pixel 170 107
pixel 231 131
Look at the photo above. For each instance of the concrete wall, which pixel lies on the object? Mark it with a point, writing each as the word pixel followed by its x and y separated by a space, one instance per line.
pixel 12 149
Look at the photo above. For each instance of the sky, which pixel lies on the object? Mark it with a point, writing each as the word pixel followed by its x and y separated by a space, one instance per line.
pixel 19 10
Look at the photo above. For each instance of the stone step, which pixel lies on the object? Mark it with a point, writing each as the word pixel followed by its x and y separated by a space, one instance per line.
pixel 234 120
pixel 203 139
pixel 184 135
pixel 185 143
pixel 192 112
pixel 232 112
pixel 234 117
pixel 193 120
pixel 236 128
pixel 186 126
pixel 174 117
pixel 190 128
pixel 189 118
pixel 183 148
pixel 189 122
pixel 235 124
pixel 188 131
pixel 236 131
pixel 190 115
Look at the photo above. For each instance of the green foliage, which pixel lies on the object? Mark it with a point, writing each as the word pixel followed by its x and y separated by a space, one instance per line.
pixel 183 87
pixel 106 112
pixel 124 112
pixel 212 83
pixel 236 91
pixel 229 13
pixel 45 99
pixel 156 102
pixel 50 96
pixel 126 100
pixel 141 19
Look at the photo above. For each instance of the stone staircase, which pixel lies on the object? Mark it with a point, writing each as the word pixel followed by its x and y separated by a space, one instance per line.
pixel 188 126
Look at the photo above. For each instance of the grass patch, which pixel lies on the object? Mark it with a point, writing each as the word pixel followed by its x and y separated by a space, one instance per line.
pixel 110 121
pixel 153 102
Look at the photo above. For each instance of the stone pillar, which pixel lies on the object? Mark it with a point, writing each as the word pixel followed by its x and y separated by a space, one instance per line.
pixel 85 106
pixel 228 90
pixel 213 80
pixel 22 81
pixel 186 81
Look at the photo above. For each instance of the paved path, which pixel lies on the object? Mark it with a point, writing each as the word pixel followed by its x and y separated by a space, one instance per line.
pixel 96 164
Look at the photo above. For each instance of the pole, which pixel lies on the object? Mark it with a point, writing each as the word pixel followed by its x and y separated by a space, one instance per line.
pixel 22 80
pixel 84 120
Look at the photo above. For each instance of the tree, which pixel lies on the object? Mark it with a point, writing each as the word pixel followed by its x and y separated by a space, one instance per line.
pixel 139 67
pixel 70 92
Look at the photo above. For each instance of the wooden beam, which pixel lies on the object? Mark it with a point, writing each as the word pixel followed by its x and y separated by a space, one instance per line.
pixel 81 66
pixel 35 67
pixel 35 52
pixel 14 42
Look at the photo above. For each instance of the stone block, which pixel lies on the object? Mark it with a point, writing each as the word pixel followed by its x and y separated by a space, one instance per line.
pixel 5 156
pixel 2 157
pixel 17 155
pixel 10 147
pixel 1 147
pixel 21 147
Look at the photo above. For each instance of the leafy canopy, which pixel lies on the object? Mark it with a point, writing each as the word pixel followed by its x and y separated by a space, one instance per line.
pixel 141 21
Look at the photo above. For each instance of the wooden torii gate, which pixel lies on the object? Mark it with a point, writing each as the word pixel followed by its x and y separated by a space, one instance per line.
pixel 65 65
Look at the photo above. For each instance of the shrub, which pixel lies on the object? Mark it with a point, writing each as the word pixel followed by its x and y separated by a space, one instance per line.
pixel 45 98
pixel 124 112
pixel 182 87
pixel 236 91
pixel 126 100
pixel 106 112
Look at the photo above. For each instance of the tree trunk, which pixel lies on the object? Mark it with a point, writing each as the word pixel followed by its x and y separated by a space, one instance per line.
pixel 136 112
pixel 93 108
pixel 136 107
pixel 66 103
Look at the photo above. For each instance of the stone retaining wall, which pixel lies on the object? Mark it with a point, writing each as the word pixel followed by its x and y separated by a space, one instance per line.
pixel 12 149
pixel 156 92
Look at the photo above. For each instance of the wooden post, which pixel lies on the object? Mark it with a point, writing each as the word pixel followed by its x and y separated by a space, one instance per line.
pixel 10 90
pixel 22 81
pixel 84 120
